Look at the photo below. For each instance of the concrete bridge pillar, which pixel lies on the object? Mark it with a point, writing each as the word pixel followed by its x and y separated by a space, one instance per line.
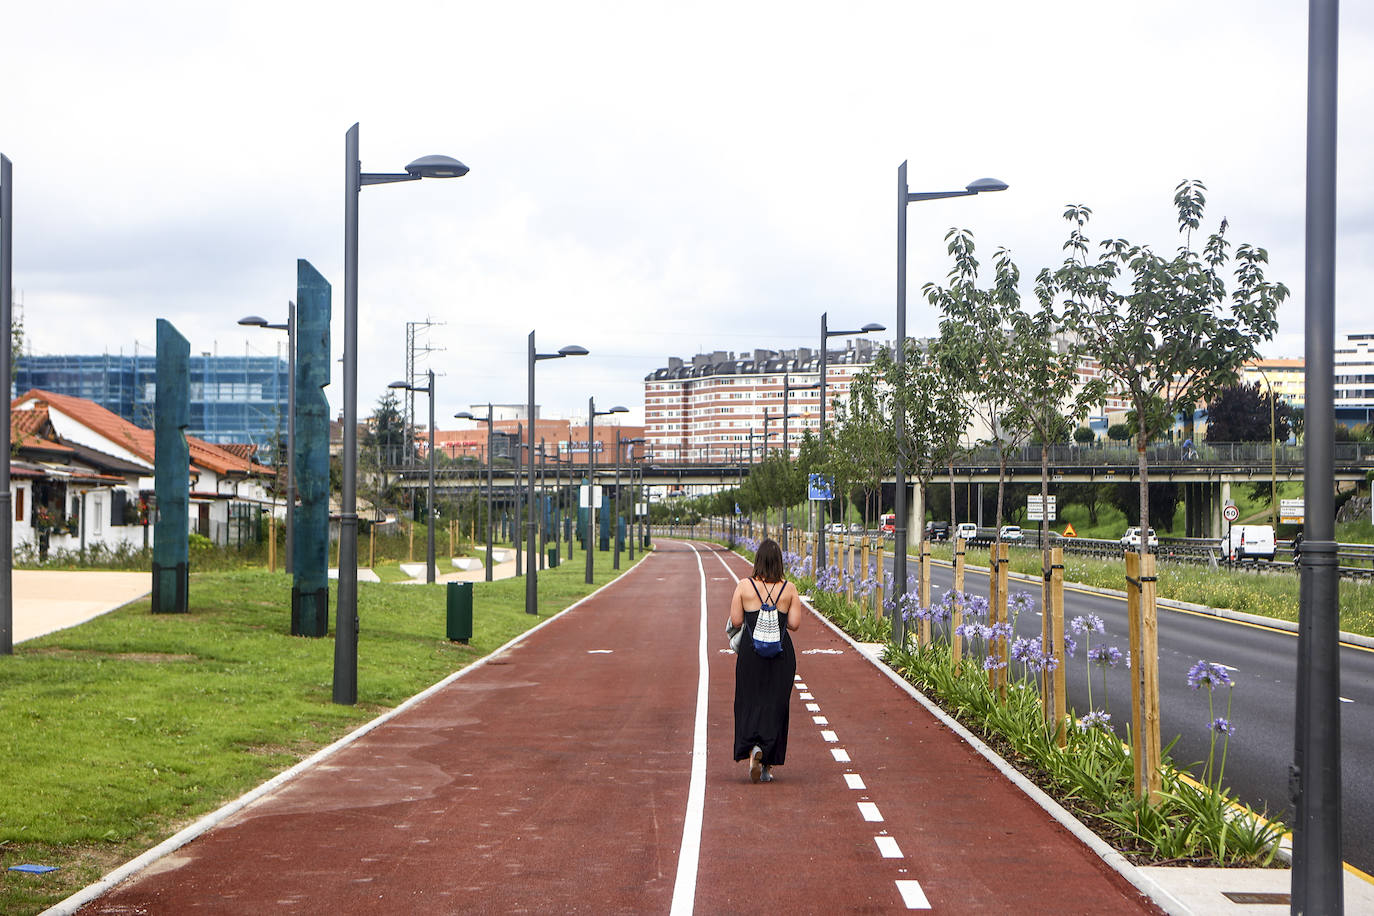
pixel 1224 496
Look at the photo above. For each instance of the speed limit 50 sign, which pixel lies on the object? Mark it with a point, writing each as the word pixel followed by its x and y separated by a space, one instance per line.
pixel 1231 512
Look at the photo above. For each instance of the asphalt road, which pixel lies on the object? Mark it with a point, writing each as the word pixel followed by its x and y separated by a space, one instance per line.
pixel 1262 663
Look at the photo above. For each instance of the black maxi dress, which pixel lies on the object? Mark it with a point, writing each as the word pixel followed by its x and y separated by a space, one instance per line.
pixel 763 691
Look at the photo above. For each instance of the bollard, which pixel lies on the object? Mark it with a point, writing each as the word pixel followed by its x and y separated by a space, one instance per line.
pixel 553 558
pixel 460 611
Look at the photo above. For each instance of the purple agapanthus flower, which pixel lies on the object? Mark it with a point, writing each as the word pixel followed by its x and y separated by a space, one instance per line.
pixel 1209 673
pixel 1096 719
pixel 1222 726
pixel 1106 656
pixel 993 663
pixel 1018 602
pixel 1070 645
pixel 1087 623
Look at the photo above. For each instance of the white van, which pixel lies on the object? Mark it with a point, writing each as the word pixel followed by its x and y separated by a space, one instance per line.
pixel 966 530
pixel 1250 542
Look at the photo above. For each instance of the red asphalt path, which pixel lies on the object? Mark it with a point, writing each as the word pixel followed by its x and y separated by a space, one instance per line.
pixel 556 778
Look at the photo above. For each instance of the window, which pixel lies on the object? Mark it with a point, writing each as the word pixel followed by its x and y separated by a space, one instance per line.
pixel 19 504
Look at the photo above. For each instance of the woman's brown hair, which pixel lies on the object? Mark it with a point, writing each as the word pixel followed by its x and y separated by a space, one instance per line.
pixel 768 561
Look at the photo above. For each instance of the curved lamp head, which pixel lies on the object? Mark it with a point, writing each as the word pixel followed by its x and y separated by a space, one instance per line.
pixel 398 385
pixel 619 410
pixel 873 326
pixel 253 321
pixel 437 167
pixel 572 350
pixel 465 416
pixel 985 184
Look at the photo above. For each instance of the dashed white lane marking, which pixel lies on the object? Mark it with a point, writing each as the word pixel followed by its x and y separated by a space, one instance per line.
pixel 807 696
pixel 854 781
pixel 888 847
pixel 813 707
pixel 822 652
pixel 1345 700
pixel 801 686
pixel 912 895
pixel 830 736
pixel 840 754
pixel 820 720
pixel 870 812
pixel 600 651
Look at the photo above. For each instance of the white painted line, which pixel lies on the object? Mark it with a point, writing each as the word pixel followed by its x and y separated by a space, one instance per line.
pixel 599 651
pixel 840 754
pixel 820 720
pixel 830 736
pixel 1345 700
pixel 870 811
pixel 912 895
pixel 807 696
pixel 888 847
pixel 685 885
pixel 854 781
pixel 813 707
pixel 801 686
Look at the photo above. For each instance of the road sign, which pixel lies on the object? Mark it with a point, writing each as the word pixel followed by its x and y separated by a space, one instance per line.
pixel 1033 512
pixel 582 500
pixel 1230 512
pixel 1069 532
pixel 821 487
pixel 1292 512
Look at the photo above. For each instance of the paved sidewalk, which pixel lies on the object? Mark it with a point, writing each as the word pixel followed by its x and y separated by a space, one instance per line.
pixel 49 600
pixel 566 774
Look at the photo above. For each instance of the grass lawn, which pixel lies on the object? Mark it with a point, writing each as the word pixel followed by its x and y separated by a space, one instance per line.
pixel 119 732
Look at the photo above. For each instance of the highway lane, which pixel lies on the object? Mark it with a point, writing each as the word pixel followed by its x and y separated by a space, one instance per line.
pixel 1263 664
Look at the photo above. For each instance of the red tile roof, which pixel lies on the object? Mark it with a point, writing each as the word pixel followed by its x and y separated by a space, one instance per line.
pixel 136 439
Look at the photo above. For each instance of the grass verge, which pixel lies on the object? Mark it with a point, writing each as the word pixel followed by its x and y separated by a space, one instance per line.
pixel 117 733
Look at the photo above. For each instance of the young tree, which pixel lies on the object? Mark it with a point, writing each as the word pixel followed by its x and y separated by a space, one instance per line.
pixel 1164 330
pixel 863 447
pixel 977 344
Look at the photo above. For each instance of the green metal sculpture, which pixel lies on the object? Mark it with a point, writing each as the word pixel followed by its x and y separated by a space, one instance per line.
pixel 310 582
pixel 172 471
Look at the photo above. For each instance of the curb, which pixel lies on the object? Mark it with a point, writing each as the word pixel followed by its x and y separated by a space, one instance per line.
pixel 1113 859
pixel 92 891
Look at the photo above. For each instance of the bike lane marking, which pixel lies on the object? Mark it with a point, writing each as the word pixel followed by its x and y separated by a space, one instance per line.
pixel 689 854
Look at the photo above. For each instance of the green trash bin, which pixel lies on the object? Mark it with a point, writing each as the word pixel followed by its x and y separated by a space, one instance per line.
pixel 553 558
pixel 460 611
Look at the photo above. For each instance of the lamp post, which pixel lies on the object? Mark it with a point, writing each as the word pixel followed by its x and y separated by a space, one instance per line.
pixel 467 415
pixel 345 687
pixel 904 197
pixel 1273 448
pixel 532 573
pixel 6 309
pixel 615 534
pixel 429 490
pixel 826 334
pixel 253 321
pixel 592 414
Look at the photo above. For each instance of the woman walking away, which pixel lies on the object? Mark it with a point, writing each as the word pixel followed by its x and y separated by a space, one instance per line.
pixel 763 684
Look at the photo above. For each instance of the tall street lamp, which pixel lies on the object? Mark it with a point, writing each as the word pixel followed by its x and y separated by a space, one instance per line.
pixel 465 415
pixel 826 334
pixel 6 310
pixel 904 197
pixel 253 321
pixel 787 389
pixel 630 525
pixel 1273 449
pixel 345 688
pixel 592 414
pixel 615 532
pixel 532 526
pixel 429 490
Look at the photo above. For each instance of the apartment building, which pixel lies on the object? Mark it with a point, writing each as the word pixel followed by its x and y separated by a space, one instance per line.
pixel 723 406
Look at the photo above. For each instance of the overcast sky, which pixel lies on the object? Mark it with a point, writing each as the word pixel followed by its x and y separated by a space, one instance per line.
pixel 648 179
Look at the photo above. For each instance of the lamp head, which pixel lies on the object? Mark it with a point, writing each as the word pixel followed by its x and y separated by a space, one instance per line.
pixel 985 184
pixel 253 321
pixel 572 350
pixel 398 385
pixel 619 410
pixel 465 415
pixel 873 326
pixel 437 167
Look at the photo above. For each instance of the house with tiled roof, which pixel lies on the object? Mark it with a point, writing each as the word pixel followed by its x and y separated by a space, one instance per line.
pixel 111 503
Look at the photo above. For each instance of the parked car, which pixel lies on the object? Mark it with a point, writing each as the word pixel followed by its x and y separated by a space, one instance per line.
pixel 966 530
pixel 1012 533
pixel 1131 539
pixel 937 531
pixel 1250 542
pixel 856 528
pixel 837 528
